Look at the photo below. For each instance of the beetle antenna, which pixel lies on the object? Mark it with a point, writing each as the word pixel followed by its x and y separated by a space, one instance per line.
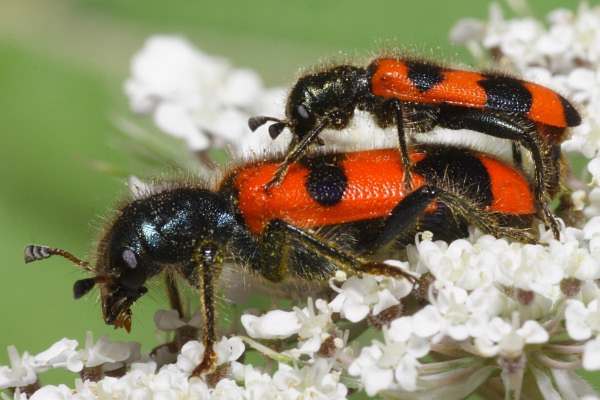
pixel 276 129
pixel 255 122
pixel 34 252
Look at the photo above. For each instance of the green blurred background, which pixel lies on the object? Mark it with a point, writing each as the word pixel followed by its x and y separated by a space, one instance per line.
pixel 62 68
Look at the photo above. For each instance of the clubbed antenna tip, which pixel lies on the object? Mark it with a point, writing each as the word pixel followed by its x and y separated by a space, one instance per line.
pixel 255 122
pixel 35 252
pixel 276 129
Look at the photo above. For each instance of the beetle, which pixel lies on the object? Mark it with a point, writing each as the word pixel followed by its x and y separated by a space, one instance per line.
pixel 190 229
pixel 416 96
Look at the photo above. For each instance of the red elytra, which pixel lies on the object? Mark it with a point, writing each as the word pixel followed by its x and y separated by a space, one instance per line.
pixel 374 187
pixel 390 79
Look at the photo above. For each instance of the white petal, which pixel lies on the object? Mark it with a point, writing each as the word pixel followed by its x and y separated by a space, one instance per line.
pixel 241 88
pixel 310 346
pixel 594 168
pixel 406 374
pixel 177 121
pixel 467 29
pixel 275 324
pixel 418 347
pixel 511 345
pixel 286 378
pixel 50 392
pixel 58 354
pixel 105 351
pixel 592 228
pixel 354 311
pixel 427 322
pixel 458 332
pixel 229 349
pixel 591 355
pixel 497 329
pixel 21 373
pixel 575 316
pixel 190 356
pixel 74 363
pixel 386 300
pixel 168 320
pixel 228 127
pixel 533 332
pixel 401 329
pixel 580 78
pixel 486 347
pixel 338 302
pixel 377 379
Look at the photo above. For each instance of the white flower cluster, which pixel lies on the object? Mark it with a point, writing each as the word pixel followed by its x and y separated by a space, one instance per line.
pixel 492 304
pixel 144 379
pixel 24 369
pixel 199 98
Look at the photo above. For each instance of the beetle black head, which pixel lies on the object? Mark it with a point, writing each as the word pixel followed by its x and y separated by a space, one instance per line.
pixel 147 235
pixel 325 99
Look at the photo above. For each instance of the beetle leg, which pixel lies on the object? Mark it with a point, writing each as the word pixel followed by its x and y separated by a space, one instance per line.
pixel 297 150
pixel 517 155
pixel 406 215
pixel 399 118
pixel 173 294
pixel 208 264
pixel 346 261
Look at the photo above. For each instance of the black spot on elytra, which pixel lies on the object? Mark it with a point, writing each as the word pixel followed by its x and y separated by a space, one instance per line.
pixel 571 115
pixel 506 94
pixel 424 76
pixel 326 183
pixel 456 165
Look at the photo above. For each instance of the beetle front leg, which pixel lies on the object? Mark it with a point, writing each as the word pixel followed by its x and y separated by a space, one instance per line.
pixel 208 263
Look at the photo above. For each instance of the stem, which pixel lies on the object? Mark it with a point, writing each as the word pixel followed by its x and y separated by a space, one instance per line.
pixel 437 367
pixel 552 363
pixel 512 376
pixel 492 390
pixel 449 377
pixel 451 349
pixel 272 354
pixel 350 382
pixel 471 349
pixel 555 323
pixel 565 349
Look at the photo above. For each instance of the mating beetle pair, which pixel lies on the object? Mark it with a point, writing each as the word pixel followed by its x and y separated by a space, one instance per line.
pixel 275 217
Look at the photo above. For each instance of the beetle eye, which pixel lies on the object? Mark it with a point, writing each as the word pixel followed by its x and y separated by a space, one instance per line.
pixel 129 258
pixel 303 112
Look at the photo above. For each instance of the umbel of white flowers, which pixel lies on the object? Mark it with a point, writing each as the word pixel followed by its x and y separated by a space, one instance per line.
pixel 505 320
